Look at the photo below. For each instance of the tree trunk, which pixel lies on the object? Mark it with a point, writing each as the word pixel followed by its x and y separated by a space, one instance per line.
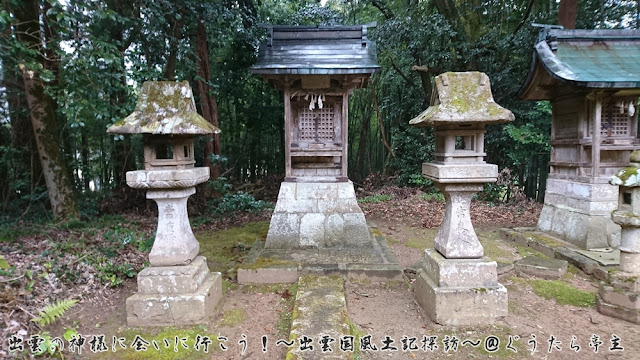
pixel 567 13
pixel 207 99
pixel 43 117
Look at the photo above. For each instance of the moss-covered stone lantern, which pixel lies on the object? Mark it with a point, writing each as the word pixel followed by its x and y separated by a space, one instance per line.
pixel 447 285
pixel 619 296
pixel 177 288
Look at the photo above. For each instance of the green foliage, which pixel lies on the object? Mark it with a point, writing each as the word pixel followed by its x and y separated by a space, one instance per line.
pixel 112 273
pixel 54 311
pixel 233 203
pixel 378 198
pixel 434 196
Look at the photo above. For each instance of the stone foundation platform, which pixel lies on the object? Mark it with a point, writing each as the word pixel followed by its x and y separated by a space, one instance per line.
pixel 375 261
pixel 460 291
pixel 312 215
pixel 175 295
pixel 580 213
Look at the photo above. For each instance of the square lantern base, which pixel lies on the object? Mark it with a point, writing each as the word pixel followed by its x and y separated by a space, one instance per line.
pixel 319 215
pixel 460 291
pixel 579 212
pixel 620 297
pixel 175 295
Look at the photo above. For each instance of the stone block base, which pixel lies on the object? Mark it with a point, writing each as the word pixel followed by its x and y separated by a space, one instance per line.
pixel 317 215
pixel 175 295
pixel 580 213
pixel 620 297
pixel 549 269
pixel 459 291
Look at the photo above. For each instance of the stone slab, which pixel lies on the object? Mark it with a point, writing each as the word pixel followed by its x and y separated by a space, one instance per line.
pixel 606 258
pixel 375 262
pixel 555 248
pixel 268 275
pixel 459 272
pixel 460 305
pixel 541 268
pixel 176 309
pixel 604 308
pixel 320 309
pixel 619 297
pixel 173 279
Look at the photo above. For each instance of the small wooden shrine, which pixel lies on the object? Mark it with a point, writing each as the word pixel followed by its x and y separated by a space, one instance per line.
pixel 317 67
pixel 592 78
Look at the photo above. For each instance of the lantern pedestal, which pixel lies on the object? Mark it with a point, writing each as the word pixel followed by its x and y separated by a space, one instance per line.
pixel 456 284
pixel 175 295
pixel 619 296
pixel 317 215
pixel 460 291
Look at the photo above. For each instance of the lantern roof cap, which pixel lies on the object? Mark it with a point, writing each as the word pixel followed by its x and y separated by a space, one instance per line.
pixel 629 176
pixel 462 98
pixel 164 108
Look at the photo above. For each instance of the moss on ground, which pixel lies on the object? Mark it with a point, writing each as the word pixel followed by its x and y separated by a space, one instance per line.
pixel 233 317
pixel 525 251
pixel 223 249
pixel 166 349
pixel 262 262
pixel 286 316
pixel 491 244
pixel 4 264
pixel 564 294
pixel 420 243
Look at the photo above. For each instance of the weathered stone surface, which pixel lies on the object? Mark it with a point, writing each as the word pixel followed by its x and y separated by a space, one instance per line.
pixel 356 230
pixel 619 312
pixel 317 215
pixel 630 262
pixel 167 179
pixel 541 268
pixel 462 97
pixel 176 309
pixel 459 272
pixel 173 279
pixel 273 275
pixel 284 231
pixel 619 297
pixel 320 309
pixel 580 213
pixel 335 231
pixel 461 305
pixel 461 173
pixel 456 238
pixel 174 243
pixel 312 230
pixel 164 107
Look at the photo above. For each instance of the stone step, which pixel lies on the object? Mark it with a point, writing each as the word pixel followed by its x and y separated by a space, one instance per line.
pixel 320 310
pixel 549 269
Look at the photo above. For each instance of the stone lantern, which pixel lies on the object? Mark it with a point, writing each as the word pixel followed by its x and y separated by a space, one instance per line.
pixel 457 285
pixel 177 288
pixel 619 296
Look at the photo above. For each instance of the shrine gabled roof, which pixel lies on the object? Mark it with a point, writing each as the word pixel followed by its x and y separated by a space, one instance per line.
pixel 590 59
pixel 316 50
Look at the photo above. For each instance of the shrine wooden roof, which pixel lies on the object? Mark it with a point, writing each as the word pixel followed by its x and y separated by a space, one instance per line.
pixel 589 59
pixel 316 50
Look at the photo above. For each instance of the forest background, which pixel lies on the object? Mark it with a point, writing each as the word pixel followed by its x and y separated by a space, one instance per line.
pixel 69 69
